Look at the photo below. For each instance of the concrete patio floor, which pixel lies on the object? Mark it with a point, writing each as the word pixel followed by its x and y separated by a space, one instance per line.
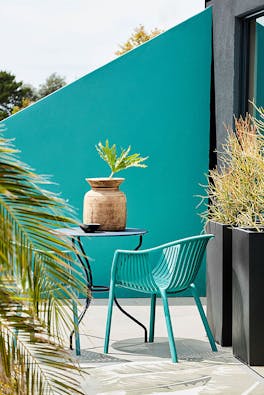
pixel 135 367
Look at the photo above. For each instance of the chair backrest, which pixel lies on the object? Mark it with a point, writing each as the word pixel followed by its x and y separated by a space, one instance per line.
pixel 133 270
pixel 179 263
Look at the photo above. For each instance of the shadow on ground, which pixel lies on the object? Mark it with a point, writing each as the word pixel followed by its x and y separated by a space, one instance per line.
pixel 187 349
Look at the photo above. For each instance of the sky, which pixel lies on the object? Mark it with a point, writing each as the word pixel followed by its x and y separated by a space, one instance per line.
pixel 74 37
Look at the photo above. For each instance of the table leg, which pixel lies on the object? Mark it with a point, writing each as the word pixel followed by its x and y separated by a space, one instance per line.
pixel 83 259
pixel 125 312
pixel 140 243
pixel 76 330
pixel 89 282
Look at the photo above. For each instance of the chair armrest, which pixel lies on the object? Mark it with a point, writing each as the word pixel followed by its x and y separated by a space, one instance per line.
pixel 129 260
pixel 166 245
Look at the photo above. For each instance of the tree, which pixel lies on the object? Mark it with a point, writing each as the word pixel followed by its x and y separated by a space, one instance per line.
pixel 138 37
pixel 25 103
pixel 52 83
pixel 12 93
pixel 35 304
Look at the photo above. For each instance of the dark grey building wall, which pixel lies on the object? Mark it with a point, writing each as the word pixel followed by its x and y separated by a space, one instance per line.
pixel 227 20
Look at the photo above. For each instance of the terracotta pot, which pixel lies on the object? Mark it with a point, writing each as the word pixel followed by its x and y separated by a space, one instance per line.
pixel 105 204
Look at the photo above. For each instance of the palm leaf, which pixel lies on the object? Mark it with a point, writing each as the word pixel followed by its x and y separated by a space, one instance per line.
pixel 36 264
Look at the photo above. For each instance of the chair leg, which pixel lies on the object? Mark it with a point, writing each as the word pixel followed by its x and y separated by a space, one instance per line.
pixel 76 328
pixel 169 326
pixel 203 317
pixel 109 318
pixel 152 317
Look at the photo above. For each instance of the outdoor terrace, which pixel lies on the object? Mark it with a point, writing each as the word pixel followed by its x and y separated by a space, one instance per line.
pixel 135 367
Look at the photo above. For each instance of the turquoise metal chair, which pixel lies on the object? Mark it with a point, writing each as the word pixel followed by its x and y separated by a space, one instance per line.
pixel 174 271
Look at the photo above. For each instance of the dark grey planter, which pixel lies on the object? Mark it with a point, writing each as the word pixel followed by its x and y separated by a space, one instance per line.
pixel 219 282
pixel 248 296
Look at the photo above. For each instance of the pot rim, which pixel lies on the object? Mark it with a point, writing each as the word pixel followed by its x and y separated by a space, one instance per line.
pixel 108 183
pixel 248 229
pixel 104 178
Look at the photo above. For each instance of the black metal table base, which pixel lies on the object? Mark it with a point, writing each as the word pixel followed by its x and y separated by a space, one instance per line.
pixel 83 259
pixel 133 319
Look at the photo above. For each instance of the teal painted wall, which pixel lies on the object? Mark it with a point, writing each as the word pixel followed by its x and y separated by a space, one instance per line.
pixel 259 65
pixel 155 98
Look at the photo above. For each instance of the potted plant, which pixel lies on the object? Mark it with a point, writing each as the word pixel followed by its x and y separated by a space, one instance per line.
pixel 220 216
pixel 105 204
pixel 236 198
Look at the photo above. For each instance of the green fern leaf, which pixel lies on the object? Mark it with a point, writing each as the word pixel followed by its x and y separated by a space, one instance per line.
pixel 121 162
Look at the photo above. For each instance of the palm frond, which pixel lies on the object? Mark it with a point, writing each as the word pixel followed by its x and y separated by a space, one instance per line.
pixel 39 279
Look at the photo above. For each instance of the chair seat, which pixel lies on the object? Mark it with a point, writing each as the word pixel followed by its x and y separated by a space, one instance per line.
pixel 144 283
pixel 149 288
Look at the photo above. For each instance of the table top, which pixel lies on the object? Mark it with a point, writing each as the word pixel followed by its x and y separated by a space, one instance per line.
pixel 78 232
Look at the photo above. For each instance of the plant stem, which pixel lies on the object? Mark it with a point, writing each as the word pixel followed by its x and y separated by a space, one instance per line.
pixel 111 175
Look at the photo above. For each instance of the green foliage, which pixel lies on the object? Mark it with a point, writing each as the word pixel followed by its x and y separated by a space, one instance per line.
pixel 121 162
pixel 15 96
pixel 37 283
pixel 12 93
pixel 236 188
pixel 52 83
pixel 25 103
pixel 138 37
